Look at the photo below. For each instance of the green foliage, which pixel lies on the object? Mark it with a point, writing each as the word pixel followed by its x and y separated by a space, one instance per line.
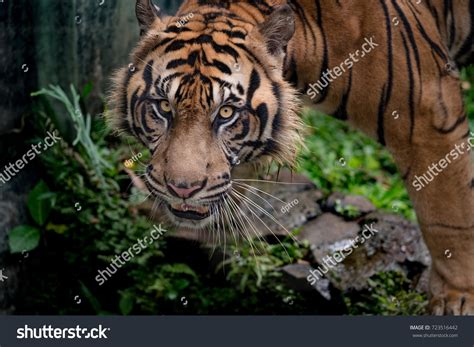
pixel 337 158
pixel 82 124
pixel 254 262
pixel 126 303
pixel 348 211
pixel 39 203
pixel 23 238
pixel 388 294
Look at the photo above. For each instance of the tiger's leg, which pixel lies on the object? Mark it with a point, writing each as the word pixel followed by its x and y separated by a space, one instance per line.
pixel 439 178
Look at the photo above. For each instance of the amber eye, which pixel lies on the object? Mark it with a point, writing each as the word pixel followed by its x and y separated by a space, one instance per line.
pixel 226 112
pixel 165 106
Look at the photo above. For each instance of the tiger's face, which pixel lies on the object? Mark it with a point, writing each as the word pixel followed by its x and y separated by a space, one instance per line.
pixel 205 97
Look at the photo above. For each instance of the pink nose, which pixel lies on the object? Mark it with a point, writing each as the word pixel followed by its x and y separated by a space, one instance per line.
pixel 184 192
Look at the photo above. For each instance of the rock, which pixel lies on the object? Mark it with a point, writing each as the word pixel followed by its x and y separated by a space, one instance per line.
pixel 399 238
pixel 323 287
pixel 295 276
pixel 396 245
pixel 326 232
pixel 360 204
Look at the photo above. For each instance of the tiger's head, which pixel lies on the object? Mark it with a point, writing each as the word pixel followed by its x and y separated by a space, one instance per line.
pixel 205 93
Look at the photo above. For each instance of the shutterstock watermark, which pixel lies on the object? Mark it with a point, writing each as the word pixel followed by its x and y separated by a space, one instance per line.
pixel 11 170
pixel 331 261
pixel 48 332
pixel 330 75
pixel 419 182
pixel 122 259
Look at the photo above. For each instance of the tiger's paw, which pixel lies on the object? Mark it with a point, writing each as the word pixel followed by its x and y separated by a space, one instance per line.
pixel 448 300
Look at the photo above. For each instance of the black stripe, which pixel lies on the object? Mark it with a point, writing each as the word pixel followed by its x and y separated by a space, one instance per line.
pixel 406 174
pixel 233 34
pixel 240 89
pixel 133 101
pixel 262 113
pixel 387 89
pixel 202 39
pixel 173 64
pixel 276 124
pixel 452 29
pixel 341 112
pixel 325 62
pixel 434 46
pixel 254 84
pixel 176 30
pixel 245 131
pixel 148 77
pixel 161 87
pixel 306 22
pixel 271 147
pixel 163 42
pixel 292 73
pixel 468 44
pixel 143 121
pixel 411 93
pixel 380 118
pixel 411 38
pixel 123 108
pixel 222 67
pixel 449 226
pixel 452 128
pixel 254 58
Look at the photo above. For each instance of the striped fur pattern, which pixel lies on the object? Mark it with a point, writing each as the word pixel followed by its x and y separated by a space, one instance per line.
pixel 230 73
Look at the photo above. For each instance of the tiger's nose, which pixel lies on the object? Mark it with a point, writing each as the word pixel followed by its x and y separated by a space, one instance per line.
pixel 183 190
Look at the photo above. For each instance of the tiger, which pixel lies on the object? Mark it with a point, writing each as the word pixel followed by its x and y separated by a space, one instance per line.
pixel 221 84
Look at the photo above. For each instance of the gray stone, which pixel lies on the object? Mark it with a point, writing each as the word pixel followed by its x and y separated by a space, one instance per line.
pixel 397 246
pixel 327 230
pixel 295 276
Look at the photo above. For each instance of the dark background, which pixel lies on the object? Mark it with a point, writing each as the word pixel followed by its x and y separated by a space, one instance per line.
pixel 59 42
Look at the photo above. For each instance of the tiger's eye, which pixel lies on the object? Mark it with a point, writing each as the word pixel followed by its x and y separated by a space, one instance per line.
pixel 226 112
pixel 165 106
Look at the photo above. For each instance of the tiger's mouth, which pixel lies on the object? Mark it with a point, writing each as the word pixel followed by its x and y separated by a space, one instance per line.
pixel 187 211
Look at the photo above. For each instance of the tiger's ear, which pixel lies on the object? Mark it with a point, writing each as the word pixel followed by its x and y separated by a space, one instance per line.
pixel 147 13
pixel 278 29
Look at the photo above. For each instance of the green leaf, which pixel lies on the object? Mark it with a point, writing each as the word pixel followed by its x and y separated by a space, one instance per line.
pixel 126 303
pixel 23 238
pixel 179 268
pixel 39 208
pixel 87 90
pixel 91 298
